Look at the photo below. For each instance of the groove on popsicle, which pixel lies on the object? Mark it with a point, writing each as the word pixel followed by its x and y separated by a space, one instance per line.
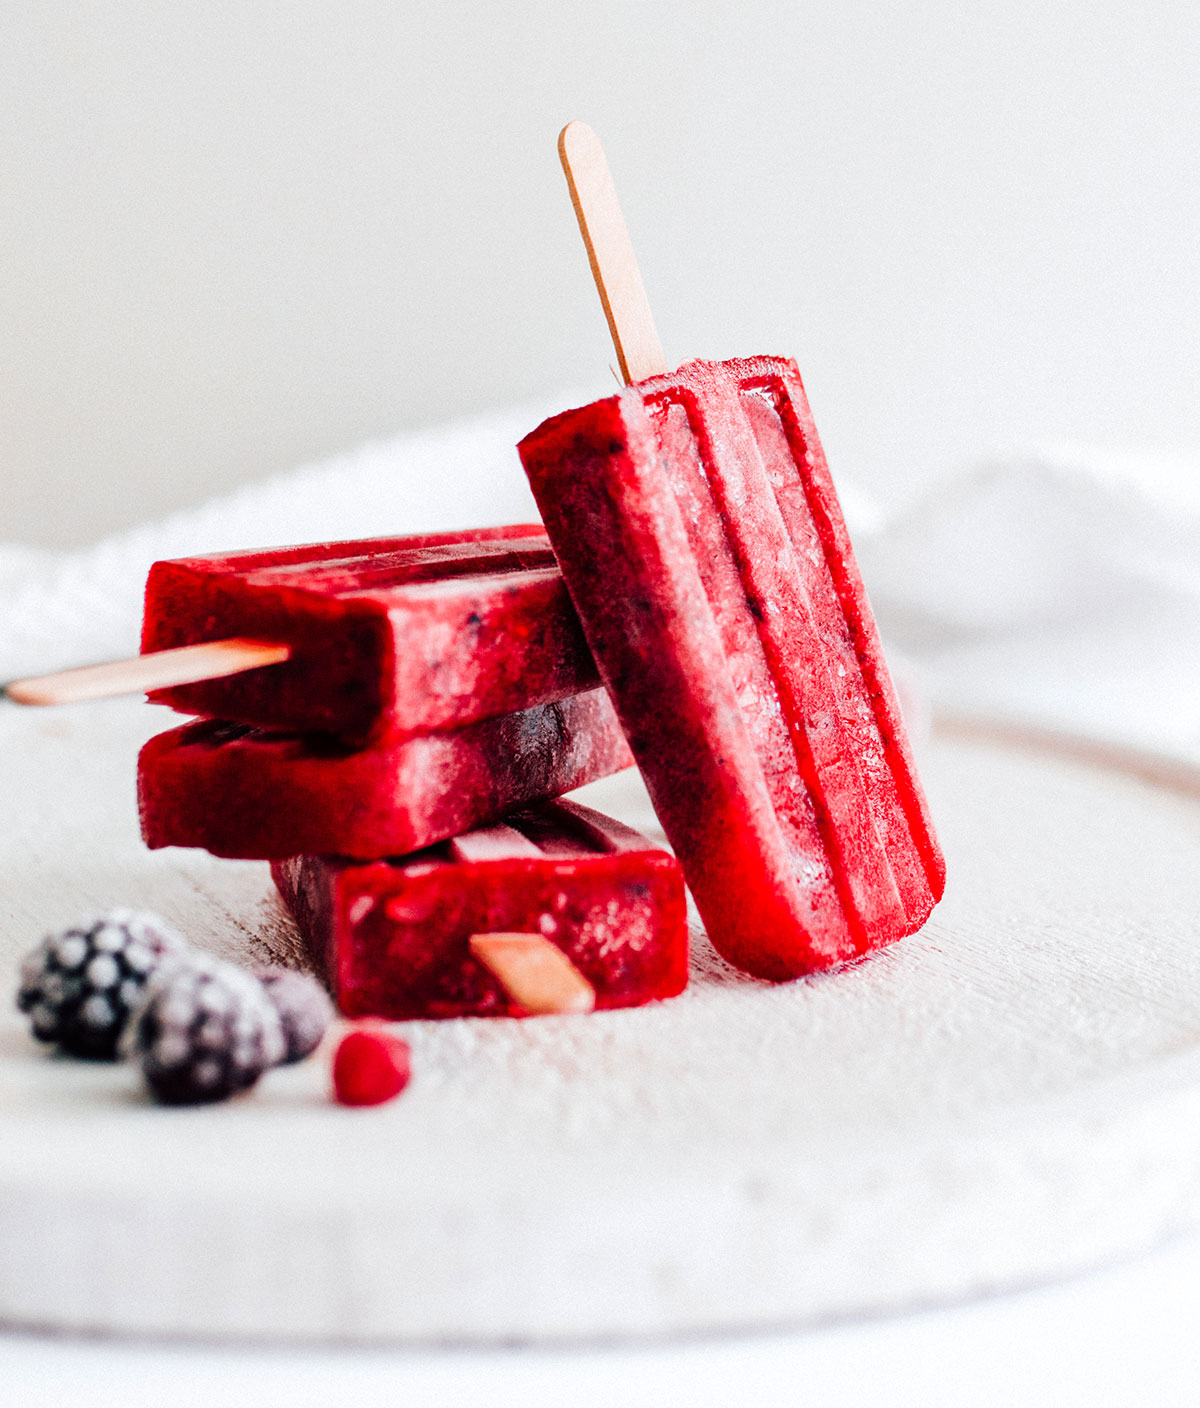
pixel 186 664
pixel 816 702
pixel 536 975
pixel 610 253
pixel 820 499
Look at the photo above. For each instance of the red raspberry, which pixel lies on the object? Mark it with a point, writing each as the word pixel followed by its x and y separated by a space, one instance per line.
pixel 370 1067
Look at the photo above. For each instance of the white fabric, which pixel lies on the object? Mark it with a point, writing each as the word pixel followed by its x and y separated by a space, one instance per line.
pixel 71 608
pixel 1061 590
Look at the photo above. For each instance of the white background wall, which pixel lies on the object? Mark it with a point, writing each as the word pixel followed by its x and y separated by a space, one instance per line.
pixel 242 233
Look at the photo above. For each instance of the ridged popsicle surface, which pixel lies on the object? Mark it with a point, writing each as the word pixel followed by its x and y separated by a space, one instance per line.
pixel 389 636
pixel 697 526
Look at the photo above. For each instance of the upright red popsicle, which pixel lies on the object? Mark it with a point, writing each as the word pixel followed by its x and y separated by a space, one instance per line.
pixel 701 539
pixel 699 533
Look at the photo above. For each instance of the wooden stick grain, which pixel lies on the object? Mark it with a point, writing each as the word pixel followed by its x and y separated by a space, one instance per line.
pixel 539 977
pixel 610 253
pixel 188 664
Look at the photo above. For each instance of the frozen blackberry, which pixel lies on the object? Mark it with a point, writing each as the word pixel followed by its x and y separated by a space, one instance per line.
pixel 304 1008
pixel 205 1031
pixel 79 986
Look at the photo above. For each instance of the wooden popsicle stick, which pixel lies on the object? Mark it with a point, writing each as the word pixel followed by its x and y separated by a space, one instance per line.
pixel 186 664
pixel 610 253
pixel 539 978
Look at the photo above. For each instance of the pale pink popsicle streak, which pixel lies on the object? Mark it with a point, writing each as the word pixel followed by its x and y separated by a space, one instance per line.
pixel 700 536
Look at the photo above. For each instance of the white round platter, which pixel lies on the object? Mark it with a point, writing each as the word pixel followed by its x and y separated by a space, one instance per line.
pixel 1010 1095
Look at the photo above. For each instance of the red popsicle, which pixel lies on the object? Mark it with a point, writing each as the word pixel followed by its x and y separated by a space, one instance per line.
pixel 393 939
pixel 697 527
pixel 385 636
pixel 250 794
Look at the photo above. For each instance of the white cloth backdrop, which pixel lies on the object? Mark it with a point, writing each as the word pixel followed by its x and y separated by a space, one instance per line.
pixel 1061 590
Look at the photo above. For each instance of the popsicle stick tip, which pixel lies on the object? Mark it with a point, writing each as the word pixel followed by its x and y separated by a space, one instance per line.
pixel 538 977
pixel 576 136
pixel 141 674
pixel 610 253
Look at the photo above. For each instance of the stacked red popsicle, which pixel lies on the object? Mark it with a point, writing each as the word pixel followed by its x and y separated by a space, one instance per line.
pixel 432 685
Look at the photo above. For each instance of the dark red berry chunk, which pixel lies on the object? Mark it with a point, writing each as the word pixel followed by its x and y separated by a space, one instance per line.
pixel 304 1008
pixel 370 1067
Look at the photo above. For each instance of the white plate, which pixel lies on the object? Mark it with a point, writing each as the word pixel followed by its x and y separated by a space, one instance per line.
pixel 1012 1094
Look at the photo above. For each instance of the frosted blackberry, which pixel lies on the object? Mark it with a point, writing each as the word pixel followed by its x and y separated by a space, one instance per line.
pixel 205 1031
pixel 304 1008
pixel 79 986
